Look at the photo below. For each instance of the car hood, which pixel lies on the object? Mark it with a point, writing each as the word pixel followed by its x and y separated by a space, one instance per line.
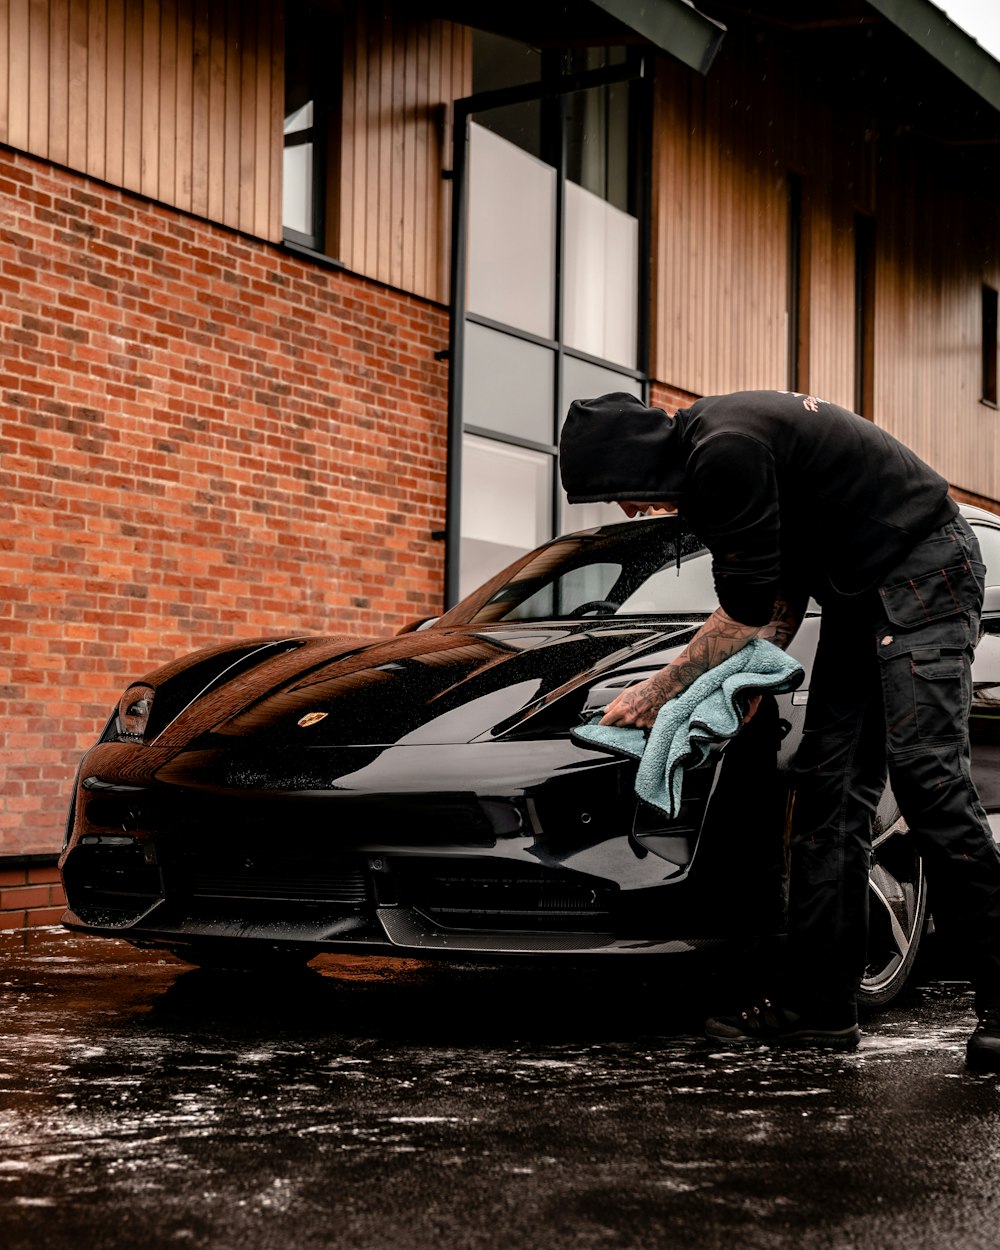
pixel 448 685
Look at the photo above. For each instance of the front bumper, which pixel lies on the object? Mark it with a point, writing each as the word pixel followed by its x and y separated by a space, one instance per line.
pixel 544 852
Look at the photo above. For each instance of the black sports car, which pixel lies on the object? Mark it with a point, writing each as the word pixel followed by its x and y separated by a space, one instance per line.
pixel 261 802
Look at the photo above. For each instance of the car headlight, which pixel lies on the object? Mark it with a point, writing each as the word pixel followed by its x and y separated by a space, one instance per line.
pixel 133 712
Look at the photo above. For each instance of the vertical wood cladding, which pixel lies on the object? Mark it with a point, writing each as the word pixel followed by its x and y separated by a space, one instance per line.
pixel 721 229
pixel 724 147
pixel 176 100
pixel 183 103
pixel 401 76
pixel 936 250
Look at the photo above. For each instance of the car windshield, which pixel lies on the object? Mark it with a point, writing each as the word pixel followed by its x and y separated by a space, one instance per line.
pixel 629 569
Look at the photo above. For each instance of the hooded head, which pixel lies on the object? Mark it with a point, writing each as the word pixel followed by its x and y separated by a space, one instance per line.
pixel 615 448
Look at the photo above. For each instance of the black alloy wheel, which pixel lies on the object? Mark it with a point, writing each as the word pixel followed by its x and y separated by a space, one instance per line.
pixel 897 909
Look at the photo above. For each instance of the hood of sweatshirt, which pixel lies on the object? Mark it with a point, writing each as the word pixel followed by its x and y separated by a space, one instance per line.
pixel 615 448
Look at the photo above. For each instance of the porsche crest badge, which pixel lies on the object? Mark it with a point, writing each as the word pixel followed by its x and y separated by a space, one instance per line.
pixel 312 718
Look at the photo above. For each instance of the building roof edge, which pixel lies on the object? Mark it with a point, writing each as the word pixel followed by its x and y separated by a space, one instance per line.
pixel 673 26
pixel 935 32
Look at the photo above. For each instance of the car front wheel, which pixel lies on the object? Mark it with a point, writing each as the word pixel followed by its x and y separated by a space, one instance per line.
pixel 897 909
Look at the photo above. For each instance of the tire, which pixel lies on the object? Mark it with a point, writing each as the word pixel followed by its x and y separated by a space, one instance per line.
pixel 897 908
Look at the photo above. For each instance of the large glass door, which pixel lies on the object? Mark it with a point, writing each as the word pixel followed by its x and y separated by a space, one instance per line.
pixel 548 296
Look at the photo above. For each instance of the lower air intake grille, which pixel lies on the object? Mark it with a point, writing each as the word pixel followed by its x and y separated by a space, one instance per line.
pixel 487 894
pixel 342 881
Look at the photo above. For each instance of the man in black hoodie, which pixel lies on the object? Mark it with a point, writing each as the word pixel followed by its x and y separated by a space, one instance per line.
pixel 794 496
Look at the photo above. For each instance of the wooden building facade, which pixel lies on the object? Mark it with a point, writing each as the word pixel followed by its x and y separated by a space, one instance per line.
pixel 272 328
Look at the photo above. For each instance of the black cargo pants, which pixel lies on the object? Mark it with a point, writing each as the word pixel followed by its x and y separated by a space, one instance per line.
pixel 890 693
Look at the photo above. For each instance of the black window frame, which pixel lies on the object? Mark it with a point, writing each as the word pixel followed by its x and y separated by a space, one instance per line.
pixel 990 348
pixel 551 90
pixel 865 256
pixel 321 32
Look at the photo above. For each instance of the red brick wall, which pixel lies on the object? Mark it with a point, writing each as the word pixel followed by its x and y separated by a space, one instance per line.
pixel 30 895
pixel 669 398
pixel 201 437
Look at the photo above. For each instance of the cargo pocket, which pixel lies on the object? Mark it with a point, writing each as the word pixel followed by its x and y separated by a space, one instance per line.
pixel 932 596
pixel 927 691
pixel 941 684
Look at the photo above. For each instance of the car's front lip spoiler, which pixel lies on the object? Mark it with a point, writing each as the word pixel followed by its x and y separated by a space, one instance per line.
pixel 406 931
pixel 163 925
pixel 410 929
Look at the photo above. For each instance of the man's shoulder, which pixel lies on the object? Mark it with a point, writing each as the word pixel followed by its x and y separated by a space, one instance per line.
pixel 746 406
pixel 722 438
pixel 778 420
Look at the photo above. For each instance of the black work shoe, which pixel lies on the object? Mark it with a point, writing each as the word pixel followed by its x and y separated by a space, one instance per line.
pixel 983 1048
pixel 765 1022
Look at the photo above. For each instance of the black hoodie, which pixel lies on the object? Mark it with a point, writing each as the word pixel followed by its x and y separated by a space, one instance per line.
pixel 787 491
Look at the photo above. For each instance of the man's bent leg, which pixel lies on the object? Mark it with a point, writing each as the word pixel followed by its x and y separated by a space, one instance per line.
pixel 840 772
pixel 925 658
pixel 839 778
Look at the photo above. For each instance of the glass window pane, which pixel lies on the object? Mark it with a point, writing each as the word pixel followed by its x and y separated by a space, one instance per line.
pixel 506 494
pixel 512 233
pixel 508 384
pixel 499 62
pixel 583 380
pixel 632 569
pixel 598 131
pixel 584 516
pixel 601 292
pixel 300 119
pixel 297 189
pixel 567 594
pixel 305 33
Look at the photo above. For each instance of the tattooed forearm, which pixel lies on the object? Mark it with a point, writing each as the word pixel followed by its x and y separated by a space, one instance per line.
pixel 719 638
pixel 783 626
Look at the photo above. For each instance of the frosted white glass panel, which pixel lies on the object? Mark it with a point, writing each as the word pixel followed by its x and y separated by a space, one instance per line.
pixel 506 493
pixel 584 516
pixel 583 289
pixel 507 384
pixel 600 294
pixel 301 119
pixel 583 380
pixel 621 287
pixel 512 234
pixel 297 192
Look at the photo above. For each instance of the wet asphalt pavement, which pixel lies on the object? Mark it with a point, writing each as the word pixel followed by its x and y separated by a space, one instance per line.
pixel 369 1104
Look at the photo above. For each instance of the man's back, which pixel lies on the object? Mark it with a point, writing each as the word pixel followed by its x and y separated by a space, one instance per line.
pixel 776 480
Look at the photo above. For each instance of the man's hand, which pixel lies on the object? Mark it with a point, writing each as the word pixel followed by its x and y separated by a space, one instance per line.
pixel 752 706
pixel 638 705
pixel 720 637
pixel 716 640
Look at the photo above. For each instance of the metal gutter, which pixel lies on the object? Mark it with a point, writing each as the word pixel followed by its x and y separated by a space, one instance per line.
pixel 937 35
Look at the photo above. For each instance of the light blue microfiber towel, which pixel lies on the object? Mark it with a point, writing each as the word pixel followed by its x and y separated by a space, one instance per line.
pixel 709 711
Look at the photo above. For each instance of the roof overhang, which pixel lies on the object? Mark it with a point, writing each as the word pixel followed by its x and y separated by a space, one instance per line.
pixel 675 27
pixel 938 36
